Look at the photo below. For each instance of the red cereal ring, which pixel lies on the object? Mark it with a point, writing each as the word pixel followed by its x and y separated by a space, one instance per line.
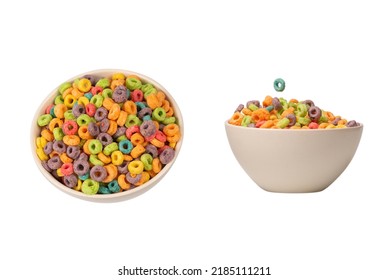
pixel 67 168
pixel 160 136
pixel 131 130
pixel 137 95
pixel 90 109
pixel 69 127
pixel 48 108
pixel 96 90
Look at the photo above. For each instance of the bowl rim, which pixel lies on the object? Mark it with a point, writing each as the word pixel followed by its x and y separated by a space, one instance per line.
pixel 114 196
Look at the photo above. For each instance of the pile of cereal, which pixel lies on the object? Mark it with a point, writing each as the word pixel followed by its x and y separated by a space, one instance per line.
pixel 107 134
pixel 279 113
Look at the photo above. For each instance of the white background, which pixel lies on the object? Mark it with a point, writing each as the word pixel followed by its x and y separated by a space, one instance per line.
pixel 211 56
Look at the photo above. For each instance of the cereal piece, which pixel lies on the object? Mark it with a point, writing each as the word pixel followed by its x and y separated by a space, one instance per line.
pixel 90 187
pixel 167 155
pixel 119 95
pixel 98 173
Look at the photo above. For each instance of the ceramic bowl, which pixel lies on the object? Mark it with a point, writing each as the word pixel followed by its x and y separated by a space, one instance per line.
pixel 293 161
pixel 124 195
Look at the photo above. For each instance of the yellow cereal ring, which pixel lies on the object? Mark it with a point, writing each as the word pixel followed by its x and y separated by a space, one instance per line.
pixel 41 154
pixel 130 107
pixel 137 139
pixel 71 140
pixel 172 145
pixel 341 126
pixel 137 151
pixel 123 183
pixel 108 102
pixel 83 101
pixel 78 187
pixel 59 172
pixel 64 158
pixel 156 165
pixel 152 101
pixel 342 122
pixel 117 158
pixel 114 112
pixel 69 101
pixel 59 110
pixel 135 167
pixel 55 122
pixel 105 159
pixel 122 118
pixel 157 143
pixel 329 126
pixel 143 179
pixel 236 119
pixel 47 134
pixel 115 83
pixel 113 126
pixel 118 76
pixel 112 172
pixel 171 129
pixel 40 142
pixel 84 85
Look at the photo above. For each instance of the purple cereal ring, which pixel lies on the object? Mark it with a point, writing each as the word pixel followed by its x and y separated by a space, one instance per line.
pixel 98 173
pixel 255 102
pixel 73 151
pixel 104 138
pixel 104 125
pixel 93 129
pixel 70 180
pixel 59 146
pixel 80 167
pixel 276 104
pixel 239 108
pixel 78 110
pixel 352 123
pixel 46 166
pixel 292 119
pixel 133 180
pixel 55 162
pixel 147 128
pixel 166 155
pixel 308 102
pixel 123 168
pixel 145 112
pixel 152 150
pixel 119 94
pixel 92 78
pixel 314 113
pixel 83 156
pixel 121 130
pixel 48 148
pixel 100 114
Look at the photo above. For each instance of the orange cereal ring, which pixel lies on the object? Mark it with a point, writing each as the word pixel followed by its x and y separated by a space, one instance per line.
pixel 130 107
pixel 113 126
pixel 137 151
pixel 247 111
pixel 293 100
pixel 288 111
pixel 55 122
pixel 127 157
pixel 145 176
pixel 114 112
pixel 161 96
pixel 64 158
pixel 151 173
pixel 122 118
pixel 123 183
pixel 157 143
pixel 85 147
pixel 174 138
pixel 117 82
pixel 105 159
pixel 170 112
pixel 153 101
pixel 112 173
pixel 323 125
pixel 156 123
pixel 84 133
pixel 329 116
pixel 156 165
pixel 76 93
pixel 66 92
pixel 134 76
pixel 268 101
pixel 137 139
pixel 108 102
pixel 71 140
pixel 260 114
pixel 165 105
pixel 47 134
pixel 267 124
pixel 53 154
pixel 171 129
pixel 236 119
pixel 59 110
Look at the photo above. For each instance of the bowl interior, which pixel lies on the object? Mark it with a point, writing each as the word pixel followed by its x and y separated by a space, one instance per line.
pixel 35 131
pixel 284 160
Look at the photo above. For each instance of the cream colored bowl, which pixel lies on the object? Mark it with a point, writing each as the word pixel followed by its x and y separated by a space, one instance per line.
pixel 35 130
pixel 293 161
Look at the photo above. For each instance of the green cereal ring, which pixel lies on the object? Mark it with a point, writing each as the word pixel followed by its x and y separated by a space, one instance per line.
pixel 253 107
pixel 64 87
pixel 148 89
pixel 95 146
pixel 68 115
pixel 133 83
pixel 90 187
pixel 132 120
pixel 284 103
pixel 44 119
pixel 83 119
pixel 147 161
pixel 110 148
pixel 97 100
pixel 279 84
pixel 107 92
pixel 95 160
pixel 301 110
pixel 58 133
pixel 159 114
pixel 169 120
pixel 246 120
pixel 103 83
pixel 58 100
pixel 303 121
pixel 121 138
pixel 283 123
pixel 323 118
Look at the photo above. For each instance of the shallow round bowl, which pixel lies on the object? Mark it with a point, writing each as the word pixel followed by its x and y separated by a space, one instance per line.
pixel 293 161
pixel 120 196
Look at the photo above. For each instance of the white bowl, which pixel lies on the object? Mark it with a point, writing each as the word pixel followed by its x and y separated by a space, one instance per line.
pixel 35 131
pixel 293 161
